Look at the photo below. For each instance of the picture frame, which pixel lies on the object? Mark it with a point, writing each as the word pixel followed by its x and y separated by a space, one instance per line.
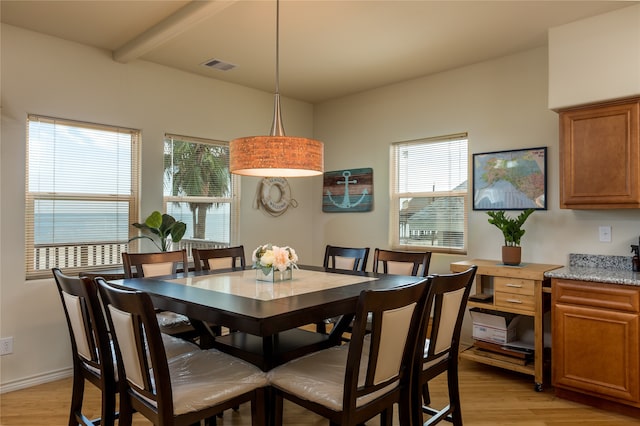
pixel 348 191
pixel 510 180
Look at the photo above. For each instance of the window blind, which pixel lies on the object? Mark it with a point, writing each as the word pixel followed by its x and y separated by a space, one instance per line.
pixel 428 194
pixel 81 194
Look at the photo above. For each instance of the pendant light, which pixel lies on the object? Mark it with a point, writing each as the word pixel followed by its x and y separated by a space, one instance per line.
pixel 276 154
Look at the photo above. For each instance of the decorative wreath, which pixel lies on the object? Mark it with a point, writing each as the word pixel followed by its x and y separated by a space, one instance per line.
pixel 274 195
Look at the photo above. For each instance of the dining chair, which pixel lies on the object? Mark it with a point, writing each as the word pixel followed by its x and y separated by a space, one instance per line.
pixel 438 353
pixel 219 258
pixel 347 258
pixel 350 258
pixel 398 263
pixel 401 262
pixel 177 391
pixel 93 359
pixel 352 383
pixel 214 259
pixel 139 265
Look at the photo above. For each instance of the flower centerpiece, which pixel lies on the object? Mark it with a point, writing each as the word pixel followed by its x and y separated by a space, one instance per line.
pixel 274 263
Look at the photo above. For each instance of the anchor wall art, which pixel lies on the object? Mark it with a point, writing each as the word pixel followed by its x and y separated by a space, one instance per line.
pixel 348 191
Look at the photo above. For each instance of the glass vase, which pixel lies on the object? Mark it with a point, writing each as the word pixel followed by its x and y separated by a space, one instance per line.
pixel 274 275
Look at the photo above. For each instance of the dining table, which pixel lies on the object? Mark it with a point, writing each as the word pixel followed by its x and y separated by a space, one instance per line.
pixel 265 318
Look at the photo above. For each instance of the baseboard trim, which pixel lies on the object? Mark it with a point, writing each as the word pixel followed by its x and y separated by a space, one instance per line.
pixel 35 380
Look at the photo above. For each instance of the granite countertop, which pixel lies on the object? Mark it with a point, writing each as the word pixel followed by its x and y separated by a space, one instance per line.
pixel 602 269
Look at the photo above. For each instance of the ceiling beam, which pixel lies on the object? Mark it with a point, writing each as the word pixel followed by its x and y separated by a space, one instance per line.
pixel 172 26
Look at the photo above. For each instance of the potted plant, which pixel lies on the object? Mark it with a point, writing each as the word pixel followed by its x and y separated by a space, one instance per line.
pixel 512 230
pixel 161 228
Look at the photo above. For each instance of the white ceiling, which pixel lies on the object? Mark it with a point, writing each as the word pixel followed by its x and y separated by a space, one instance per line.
pixel 328 48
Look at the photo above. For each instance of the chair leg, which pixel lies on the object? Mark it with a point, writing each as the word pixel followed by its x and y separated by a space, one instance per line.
pixel 454 394
pixel 125 417
pixel 426 397
pixel 321 327
pixel 77 394
pixel 278 408
pixel 108 407
pixel 386 417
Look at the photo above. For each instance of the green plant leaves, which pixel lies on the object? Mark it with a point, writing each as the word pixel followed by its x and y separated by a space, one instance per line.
pixel 511 227
pixel 159 228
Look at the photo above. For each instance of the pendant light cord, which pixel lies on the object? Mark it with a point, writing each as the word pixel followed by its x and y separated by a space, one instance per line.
pixel 277 129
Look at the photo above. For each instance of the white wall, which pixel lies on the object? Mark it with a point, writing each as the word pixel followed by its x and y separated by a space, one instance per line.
pixel 49 76
pixel 502 104
pixel 595 59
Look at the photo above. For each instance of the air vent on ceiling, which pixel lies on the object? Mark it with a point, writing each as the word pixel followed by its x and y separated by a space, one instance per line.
pixel 219 65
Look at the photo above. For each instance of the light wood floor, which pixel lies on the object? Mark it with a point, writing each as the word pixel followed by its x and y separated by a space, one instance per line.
pixel 490 396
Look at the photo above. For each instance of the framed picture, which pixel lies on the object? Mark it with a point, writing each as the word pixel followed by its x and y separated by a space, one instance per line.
pixel 348 191
pixel 510 180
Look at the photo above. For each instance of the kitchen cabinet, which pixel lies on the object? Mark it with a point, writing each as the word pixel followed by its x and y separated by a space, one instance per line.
pixel 596 341
pixel 600 156
pixel 519 290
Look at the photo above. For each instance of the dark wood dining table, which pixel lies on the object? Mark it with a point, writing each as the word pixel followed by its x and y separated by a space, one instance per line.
pixel 265 317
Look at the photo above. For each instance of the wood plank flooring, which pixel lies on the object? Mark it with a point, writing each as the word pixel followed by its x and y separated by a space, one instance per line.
pixel 490 396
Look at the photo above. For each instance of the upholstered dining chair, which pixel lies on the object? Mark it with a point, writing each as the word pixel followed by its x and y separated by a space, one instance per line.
pixel 401 262
pixel 93 357
pixel 182 390
pixel 347 258
pixel 447 300
pixel 213 259
pixel 219 258
pixel 139 265
pixel 352 383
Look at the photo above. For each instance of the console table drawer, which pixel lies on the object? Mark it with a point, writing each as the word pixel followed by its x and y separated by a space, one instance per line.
pixel 513 285
pixel 513 300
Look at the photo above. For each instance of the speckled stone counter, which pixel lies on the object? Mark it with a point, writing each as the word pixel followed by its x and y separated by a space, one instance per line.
pixel 602 269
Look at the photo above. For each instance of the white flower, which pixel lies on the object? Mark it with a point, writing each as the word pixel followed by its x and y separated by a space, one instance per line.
pixel 268 257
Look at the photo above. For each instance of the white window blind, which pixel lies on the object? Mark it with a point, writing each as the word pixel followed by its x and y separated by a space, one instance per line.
pixel 428 194
pixel 81 194
pixel 200 190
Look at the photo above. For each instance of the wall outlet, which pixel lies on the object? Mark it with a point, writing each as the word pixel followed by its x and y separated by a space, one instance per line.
pixel 605 234
pixel 6 345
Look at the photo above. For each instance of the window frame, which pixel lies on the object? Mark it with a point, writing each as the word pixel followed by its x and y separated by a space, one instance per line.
pixel 233 199
pixel 86 253
pixel 395 197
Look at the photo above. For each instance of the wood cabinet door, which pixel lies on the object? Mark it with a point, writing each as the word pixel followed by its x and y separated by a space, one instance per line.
pixel 595 351
pixel 600 156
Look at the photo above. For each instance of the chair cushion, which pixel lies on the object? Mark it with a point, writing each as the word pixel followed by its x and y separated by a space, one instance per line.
pixel 174 346
pixel 319 377
pixel 201 379
pixel 173 323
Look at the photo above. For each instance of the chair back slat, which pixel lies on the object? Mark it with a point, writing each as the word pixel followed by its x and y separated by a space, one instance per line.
pixel 81 327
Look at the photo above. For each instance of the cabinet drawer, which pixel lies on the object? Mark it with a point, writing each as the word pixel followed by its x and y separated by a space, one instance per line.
pixel 513 300
pixel 513 285
pixel 597 295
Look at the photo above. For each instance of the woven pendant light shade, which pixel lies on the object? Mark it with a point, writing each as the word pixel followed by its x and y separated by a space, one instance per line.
pixel 286 156
pixel 276 155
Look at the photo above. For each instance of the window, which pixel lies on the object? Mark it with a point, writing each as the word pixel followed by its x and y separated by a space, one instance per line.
pixel 428 194
pixel 200 191
pixel 81 194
